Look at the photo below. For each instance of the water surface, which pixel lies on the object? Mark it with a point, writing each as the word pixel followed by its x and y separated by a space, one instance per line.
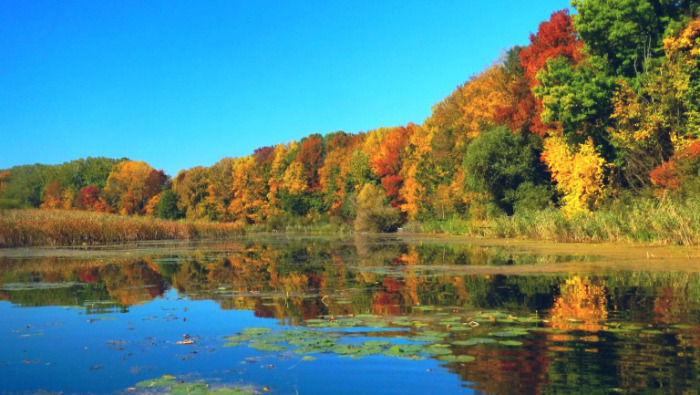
pixel 313 315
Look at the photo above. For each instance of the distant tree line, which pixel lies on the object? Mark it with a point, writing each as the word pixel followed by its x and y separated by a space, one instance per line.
pixel 599 104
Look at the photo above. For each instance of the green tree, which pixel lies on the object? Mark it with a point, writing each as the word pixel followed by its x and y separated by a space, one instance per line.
pixel 167 206
pixel 628 34
pixel 578 99
pixel 499 161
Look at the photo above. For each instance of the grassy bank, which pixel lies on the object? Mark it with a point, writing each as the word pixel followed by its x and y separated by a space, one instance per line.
pixel 23 228
pixel 665 221
pixel 641 220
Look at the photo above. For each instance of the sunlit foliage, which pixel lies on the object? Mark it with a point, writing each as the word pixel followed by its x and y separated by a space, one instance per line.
pixel 602 101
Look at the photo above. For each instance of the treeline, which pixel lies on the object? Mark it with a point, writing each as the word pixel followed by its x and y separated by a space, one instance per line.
pixel 602 105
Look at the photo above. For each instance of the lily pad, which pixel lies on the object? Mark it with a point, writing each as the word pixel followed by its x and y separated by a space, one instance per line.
pixel 473 341
pixel 430 336
pixel 255 331
pixel 264 346
pixel 508 334
pixel 457 358
pixel 437 349
pixel 411 351
pixel 513 343
pixel 680 326
pixel 164 381
pixel 190 389
pixel 233 391
pixel 345 349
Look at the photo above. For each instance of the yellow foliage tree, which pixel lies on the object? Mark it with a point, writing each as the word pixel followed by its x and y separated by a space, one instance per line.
pixel 249 191
pixel 579 174
pixel 294 179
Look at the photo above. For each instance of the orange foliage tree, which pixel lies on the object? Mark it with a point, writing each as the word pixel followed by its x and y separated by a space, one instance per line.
pixel 4 177
pixel 386 160
pixel 131 184
pixel 483 97
pixel 52 196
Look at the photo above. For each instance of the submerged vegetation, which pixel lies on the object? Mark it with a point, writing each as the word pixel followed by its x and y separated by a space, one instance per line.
pixel 588 133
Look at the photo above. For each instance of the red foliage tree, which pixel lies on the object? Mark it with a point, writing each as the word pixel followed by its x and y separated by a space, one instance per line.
pixel 683 165
pixel 386 161
pixel 263 154
pixel 311 158
pixel 89 196
pixel 556 37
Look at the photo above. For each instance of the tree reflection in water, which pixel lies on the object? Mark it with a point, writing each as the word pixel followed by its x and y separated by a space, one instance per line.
pixel 618 331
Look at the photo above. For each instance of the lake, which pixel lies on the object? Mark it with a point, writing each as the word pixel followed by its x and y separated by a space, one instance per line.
pixel 358 314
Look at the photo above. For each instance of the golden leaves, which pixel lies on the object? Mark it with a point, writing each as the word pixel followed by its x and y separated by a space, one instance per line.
pixel 579 174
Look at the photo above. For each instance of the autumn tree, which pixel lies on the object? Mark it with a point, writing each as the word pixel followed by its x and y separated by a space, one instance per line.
pixel 682 170
pixel 249 189
pixel 192 188
pixel 218 198
pixel 555 38
pixel 374 214
pixel 4 177
pixel 52 196
pixel 579 174
pixel 482 98
pixel 88 197
pixel 386 160
pixel 311 157
pixel 335 170
pixel 131 184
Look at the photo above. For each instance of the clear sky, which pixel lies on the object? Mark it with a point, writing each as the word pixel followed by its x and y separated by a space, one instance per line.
pixel 185 83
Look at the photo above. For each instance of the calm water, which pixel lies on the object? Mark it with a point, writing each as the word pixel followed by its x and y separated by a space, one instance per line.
pixel 357 315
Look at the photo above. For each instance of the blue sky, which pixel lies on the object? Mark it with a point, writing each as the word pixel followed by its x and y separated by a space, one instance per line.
pixel 186 83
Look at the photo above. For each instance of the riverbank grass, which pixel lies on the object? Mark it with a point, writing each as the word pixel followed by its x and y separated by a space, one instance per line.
pixel 24 228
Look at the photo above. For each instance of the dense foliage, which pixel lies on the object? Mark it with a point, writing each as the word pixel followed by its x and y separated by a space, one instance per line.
pixel 601 103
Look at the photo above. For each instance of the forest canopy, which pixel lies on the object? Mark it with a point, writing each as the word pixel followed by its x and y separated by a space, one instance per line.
pixel 603 102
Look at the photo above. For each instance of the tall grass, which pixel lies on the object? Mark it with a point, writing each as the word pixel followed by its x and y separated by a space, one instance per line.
pixel 647 220
pixel 22 228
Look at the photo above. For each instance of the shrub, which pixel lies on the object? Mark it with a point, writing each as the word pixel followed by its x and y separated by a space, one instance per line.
pixel 374 214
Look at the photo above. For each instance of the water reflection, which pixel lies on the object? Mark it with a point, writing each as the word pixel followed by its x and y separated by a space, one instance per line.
pixel 615 331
